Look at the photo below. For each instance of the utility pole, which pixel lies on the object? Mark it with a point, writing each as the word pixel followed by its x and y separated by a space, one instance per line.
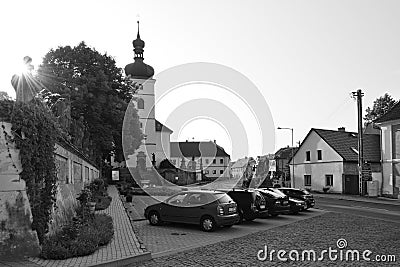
pixel 359 96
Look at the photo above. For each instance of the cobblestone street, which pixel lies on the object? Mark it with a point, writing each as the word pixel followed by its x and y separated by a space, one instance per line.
pixel 172 238
pixel 316 233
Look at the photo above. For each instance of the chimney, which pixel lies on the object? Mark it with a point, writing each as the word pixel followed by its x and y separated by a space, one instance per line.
pixel 215 141
pixel 341 129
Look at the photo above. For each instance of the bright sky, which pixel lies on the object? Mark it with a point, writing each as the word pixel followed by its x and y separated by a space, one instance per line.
pixel 305 57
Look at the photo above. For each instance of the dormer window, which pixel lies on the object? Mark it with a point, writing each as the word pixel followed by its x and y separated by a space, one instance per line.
pixel 354 150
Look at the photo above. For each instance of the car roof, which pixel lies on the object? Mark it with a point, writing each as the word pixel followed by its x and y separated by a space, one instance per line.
pixel 202 191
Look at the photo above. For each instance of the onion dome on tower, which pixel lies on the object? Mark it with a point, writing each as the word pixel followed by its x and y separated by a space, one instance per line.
pixel 138 69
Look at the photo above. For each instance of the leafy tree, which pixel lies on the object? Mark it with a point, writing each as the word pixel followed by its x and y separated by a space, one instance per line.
pixel 92 96
pixel 380 107
pixel 4 96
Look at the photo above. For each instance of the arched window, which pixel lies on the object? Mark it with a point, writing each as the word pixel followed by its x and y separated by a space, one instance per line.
pixel 140 103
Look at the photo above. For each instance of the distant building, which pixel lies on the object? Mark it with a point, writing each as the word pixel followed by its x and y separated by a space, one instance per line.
pixel 389 124
pixel 242 170
pixel 283 170
pixel 328 158
pixel 197 156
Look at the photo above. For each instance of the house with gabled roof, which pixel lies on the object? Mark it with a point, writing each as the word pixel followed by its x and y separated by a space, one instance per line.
pixel 204 155
pixel 329 158
pixel 389 124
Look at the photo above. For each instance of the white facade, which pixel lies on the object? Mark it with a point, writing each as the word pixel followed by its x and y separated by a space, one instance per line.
pixel 163 143
pixel 331 164
pixel 390 159
pixel 213 167
pixel 144 101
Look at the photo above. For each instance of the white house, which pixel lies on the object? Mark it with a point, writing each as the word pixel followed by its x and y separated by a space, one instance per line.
pixel 208 156
pixel 328 158
pixel 389 124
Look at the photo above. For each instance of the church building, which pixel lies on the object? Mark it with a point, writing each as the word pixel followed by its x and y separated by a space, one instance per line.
pixel 156 143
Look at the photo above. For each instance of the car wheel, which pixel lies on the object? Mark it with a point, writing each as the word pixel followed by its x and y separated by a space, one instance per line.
pixel 154 218
pixel 207 224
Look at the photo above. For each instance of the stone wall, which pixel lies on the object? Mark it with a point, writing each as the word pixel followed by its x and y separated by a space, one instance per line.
pixel 16 235
pixel 73 171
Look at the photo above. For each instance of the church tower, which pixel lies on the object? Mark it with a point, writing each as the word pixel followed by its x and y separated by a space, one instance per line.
pixel 144 100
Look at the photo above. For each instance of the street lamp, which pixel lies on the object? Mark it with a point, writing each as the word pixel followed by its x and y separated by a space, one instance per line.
pixel 292 178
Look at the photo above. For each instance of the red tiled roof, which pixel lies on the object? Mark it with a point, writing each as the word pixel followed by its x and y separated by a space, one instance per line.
pixel 344 144
pixel 162 128
pixel 392 114
pixel 197 149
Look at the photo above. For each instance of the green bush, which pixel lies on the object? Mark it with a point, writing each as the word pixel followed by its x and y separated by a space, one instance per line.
pixel 104 225
pixel 79 238
pixel 102 202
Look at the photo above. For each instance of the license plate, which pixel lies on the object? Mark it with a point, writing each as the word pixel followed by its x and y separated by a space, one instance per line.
pixel 262 207
pixel 233 209
pixel 285 202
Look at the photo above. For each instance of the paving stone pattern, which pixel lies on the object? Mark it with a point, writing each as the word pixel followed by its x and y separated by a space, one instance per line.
pixel 317 233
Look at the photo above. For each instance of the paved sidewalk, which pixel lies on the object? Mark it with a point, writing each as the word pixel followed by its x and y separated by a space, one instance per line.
pixel 379 200
pixel 123 249
pixel 136 208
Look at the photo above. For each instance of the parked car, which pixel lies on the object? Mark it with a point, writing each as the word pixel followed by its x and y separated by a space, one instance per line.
pixel 295 205
pixel 277 202
pixel 209 209
pixel 299 194
pixel 251 203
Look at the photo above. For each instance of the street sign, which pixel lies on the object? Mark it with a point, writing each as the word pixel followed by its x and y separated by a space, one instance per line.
pixel 115 175
pixel 272 165
pixel 366 172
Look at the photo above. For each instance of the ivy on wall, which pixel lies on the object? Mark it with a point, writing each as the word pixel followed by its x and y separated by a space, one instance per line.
pixel 35 134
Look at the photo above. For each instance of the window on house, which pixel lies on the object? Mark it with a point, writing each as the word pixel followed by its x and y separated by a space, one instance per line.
pixel 308 155
pixel 221 161
pixel 141 124
pixel 319 154
pixel 77 172
pixel 173 161
pixel 307 180
pixel 214 172
pixel 221 171
pixel 329 180
pixel 214 161
pixel 140 103
pixel 87 174
pixel 396 141
pixel 207 161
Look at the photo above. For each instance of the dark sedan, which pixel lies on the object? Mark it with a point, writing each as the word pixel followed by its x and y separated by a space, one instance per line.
pixel 296 205
pixel 277 203
pixel 209 209
pixel 299 194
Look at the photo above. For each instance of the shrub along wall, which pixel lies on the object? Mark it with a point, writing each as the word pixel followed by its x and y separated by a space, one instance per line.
pixel 29 186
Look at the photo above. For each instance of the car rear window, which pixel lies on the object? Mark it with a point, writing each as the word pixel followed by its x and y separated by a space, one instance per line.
pixel 277 191
pixel 223 198
pixel 272 194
